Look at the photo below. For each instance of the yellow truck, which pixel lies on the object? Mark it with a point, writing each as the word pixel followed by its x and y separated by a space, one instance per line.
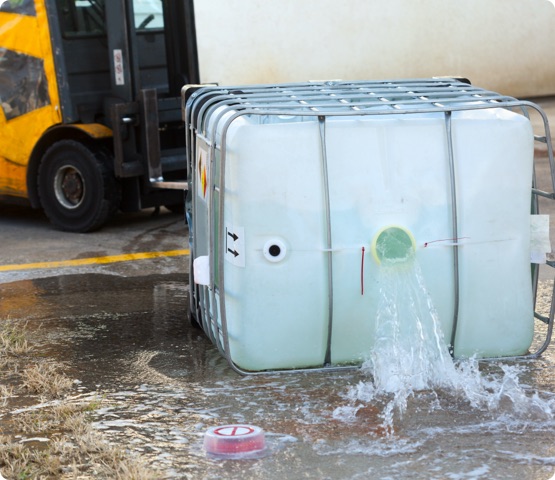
pixel 90 118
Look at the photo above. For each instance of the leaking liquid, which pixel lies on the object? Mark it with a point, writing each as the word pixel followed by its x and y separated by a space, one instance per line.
pixel 411 356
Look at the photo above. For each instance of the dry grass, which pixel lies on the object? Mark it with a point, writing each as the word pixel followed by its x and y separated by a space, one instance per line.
pixel 53 439
pixel 51 417
pixel 76 450
pixel 45 379
pixel 20 462
pixel 6 392
pixel 13 338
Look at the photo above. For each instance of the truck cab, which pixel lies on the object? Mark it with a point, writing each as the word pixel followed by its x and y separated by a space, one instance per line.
pixel 90 95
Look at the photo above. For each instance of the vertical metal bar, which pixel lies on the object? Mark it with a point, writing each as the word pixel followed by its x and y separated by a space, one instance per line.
pixel 224 344
pixel 454 220
pixel 213 243
pixel 190 214
pixel 549 326
pixel 151 136
pixel 327 208
pixel 535 208
pixel 206 316
pixel 181 44
pixel 549 148
pixel 118 29
pixel 549 332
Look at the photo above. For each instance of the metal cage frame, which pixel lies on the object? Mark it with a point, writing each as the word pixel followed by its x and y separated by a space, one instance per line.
pixel 323 100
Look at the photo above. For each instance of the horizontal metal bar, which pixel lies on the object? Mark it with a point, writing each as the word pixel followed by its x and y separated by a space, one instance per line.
pixel 326 369
pixel 435 93
pixel 178 185
pixel 541 193
pixel 423 92
pixel 542 318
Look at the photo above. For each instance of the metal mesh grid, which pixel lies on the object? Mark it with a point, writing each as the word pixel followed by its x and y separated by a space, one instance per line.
pixel 329 98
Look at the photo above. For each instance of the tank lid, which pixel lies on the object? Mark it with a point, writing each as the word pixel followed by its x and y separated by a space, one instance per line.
pixel 235 442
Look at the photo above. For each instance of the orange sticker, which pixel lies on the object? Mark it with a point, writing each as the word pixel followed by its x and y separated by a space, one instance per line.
pixel 203 172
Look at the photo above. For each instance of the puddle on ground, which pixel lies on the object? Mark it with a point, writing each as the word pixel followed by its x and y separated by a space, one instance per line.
pixel 164 385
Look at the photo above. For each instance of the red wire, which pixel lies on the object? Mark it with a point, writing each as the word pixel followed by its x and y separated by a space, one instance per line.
pixel 445 240
pixel 362 273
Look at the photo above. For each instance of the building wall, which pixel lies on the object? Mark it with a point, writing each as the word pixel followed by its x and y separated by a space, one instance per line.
pixel 504 45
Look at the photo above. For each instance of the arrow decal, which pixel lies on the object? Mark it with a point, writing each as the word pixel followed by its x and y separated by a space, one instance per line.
pixel 234 245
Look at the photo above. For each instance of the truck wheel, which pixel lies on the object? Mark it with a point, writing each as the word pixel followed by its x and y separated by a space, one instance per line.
pixel 77 190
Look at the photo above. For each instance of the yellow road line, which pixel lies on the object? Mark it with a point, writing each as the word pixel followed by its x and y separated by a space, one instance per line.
pixel 126 257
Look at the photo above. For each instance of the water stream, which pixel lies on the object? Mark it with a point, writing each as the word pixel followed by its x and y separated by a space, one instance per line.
pixel 411 358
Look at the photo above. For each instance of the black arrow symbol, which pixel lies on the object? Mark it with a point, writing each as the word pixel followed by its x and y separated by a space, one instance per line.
pixel 236 254
pixel 232 235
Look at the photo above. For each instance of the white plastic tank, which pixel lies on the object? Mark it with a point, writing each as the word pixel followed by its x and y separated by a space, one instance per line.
pixel 311 198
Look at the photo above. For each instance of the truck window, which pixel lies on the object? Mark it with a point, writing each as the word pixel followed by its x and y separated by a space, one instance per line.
pixel 23 7
pixel 82 17
pixel 148 14
pixel 86 17
pixel 23 86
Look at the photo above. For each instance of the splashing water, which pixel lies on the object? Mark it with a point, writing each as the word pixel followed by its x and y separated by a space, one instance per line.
pixel 411 355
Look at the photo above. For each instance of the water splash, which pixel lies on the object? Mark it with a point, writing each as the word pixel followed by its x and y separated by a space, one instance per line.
pixel 411 356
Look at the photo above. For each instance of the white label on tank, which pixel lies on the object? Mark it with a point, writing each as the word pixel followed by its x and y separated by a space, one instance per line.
pixel 118 67
pixel 203 169
pixel 235 245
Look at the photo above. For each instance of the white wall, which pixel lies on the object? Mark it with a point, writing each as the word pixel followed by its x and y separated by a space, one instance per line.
pixel 503 45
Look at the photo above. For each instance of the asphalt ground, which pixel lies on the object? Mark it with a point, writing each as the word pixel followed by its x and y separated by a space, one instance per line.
pixel 130 244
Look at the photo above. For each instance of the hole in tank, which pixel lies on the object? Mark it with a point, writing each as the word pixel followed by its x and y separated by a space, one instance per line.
pixel 274 250
pixel 393 245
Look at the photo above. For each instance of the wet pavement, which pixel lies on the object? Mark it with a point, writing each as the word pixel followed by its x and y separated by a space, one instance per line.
pixel 121 331
pixel 164 385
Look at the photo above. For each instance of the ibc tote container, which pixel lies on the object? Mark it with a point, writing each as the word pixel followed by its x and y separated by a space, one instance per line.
pixel 299 193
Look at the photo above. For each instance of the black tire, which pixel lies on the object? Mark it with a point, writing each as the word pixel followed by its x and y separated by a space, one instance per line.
pixel 77 189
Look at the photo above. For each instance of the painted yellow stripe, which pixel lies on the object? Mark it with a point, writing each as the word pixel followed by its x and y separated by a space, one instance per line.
pixel 127 257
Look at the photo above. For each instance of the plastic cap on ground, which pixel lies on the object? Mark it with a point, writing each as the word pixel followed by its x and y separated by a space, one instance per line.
pixel 234 441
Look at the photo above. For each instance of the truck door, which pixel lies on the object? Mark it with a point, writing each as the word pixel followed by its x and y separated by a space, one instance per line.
pixel 28 93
